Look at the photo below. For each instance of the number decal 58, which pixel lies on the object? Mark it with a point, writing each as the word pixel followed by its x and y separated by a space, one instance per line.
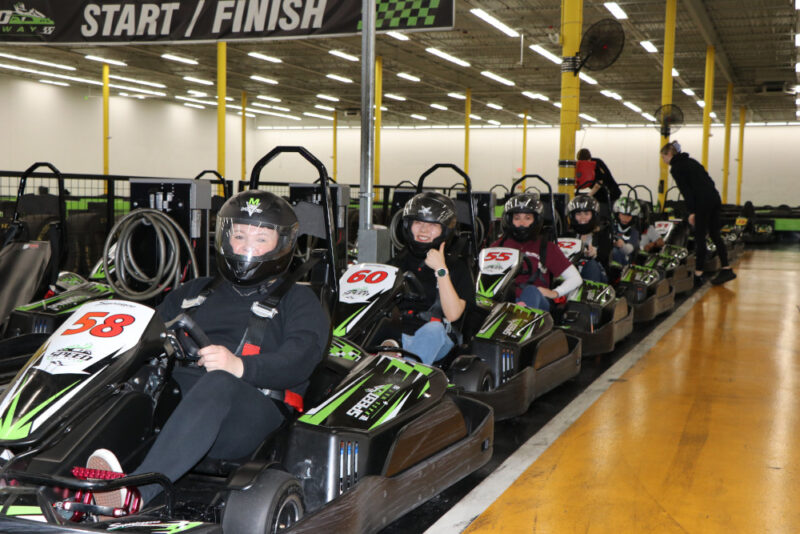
pixel 112 326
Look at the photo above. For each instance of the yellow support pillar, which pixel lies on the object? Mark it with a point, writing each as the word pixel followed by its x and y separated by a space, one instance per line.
pixel 742 116
pixel 727 151
pixel 666 90
pixel 244 135
pixel 335 149
pixel 378 119
pixel 467 113
pixel 571 24
pixel 222 82
pixel 105 119
pixel 708 98
pixel 524 147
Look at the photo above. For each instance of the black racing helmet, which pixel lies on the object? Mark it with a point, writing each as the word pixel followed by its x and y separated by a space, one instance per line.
pixel 583 203
pixel 429 207
pixel 628 206
pixel 241 217
pixel 523 203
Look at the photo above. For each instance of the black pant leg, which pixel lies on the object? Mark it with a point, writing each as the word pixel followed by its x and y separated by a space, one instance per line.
pixel 714 228
pixel 700 229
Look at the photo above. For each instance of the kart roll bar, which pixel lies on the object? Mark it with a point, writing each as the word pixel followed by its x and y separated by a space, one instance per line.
pixel 226 187
pixel 468 182
pixel 556 218
pixel 324 180
pixel 62 210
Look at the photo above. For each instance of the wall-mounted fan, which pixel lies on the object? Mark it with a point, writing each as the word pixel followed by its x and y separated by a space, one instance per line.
pixel 669 118
pixel 601 45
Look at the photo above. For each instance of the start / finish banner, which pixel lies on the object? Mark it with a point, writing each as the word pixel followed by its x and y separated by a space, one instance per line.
pixel 126 21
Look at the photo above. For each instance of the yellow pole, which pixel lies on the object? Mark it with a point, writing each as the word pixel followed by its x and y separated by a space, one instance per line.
pixel 244 136
pixel 726 159
pixel 571 23
pixel 105 119
pixel 742 116
pixel 335 131
pixel 708 98
pixel 467 113
pixel 222 81
pixel 524 147
pixel 378 118
pixel 666 90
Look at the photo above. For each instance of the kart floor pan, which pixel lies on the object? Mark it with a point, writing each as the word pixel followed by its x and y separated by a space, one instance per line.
pixel 377 501
pixel 515 396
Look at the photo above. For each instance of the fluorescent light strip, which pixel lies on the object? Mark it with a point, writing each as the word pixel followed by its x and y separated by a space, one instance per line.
pixel 137 89
pixel 317 115
pixel 325 108
pixel 494 122
pixel 495 77
pixel 446 56
pixel 483 15
pixel 343 55
pixel 586 78
pixel 649 117
pixel 106 60
pixel 457 96
pixel 631 105
pixel 409 77
pixel 587 117
pixel 142 82
pixel 339 78
pixel 615 10
pixel 281 108
pixel 687 91
pixel 329 98
pixel 37 62
pixel 180 59
pixel 610 94
pixel 713 115
pixel 196 106
pixel 557 104
pixel 535 96
pixel 251 115
pixel 271 113
pixel 264 57
pixel 650 47
pixel 196 93
pixel 268 98
pixel 419 117
pixel 51 82
pixel 494 106
pixel 395 97
pixel 675 73
pixel 475 117
pixel 797 39
pixel 439 106
pixel 196 100
pixel 262 79
pixel 701 103
pixel 197 80
pixel 402 37
pixel 260 105
pixel 79 80
pixel 546 53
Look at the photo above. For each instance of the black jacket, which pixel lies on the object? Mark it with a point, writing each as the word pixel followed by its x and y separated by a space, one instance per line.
pixel 293 342
pixel 694 183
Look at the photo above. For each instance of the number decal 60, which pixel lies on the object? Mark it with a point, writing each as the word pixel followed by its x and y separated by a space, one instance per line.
pixel 498 256
pixel 365 275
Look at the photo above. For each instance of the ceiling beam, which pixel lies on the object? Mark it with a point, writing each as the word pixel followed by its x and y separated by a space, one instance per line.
pixel 699 15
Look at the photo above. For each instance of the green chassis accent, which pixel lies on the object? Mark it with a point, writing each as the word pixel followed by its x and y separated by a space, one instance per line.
pixel 20 429
pixel 24 510
pixel 407 368
pixel 27 307
pixel 489 333
pixel 787 225
pixel 424 389
pixel 488 292
pixel 344 351
pixel 323 414
pixel 341 330
pixel 387 412
pixel 176 528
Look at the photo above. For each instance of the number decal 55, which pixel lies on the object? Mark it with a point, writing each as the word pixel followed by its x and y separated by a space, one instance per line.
pixel 112 326
pixel 498 256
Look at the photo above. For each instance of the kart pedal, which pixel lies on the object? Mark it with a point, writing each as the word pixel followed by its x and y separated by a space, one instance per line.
pixel 86 508
pixel 85 473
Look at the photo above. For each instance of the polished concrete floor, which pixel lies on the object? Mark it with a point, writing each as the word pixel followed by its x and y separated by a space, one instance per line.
pixel 701 435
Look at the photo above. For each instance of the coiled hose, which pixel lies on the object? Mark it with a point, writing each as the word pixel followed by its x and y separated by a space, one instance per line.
pixel 169 237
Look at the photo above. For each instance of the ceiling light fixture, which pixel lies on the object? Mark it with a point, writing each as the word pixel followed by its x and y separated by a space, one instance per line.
pixel 339 78
pixel 494 106
pixel 675 73
pixel 615 10
pixel 587 117
pixel 268 98
pixel 343 55
pixel 51 82
pixel 196 106
pixel 797 39
pixel 329 98
pixel 324 108
pixel 483 15
pixel 631 105
pixel 475 117
pixel 650 47
pixel 142 82
pixel 281 108
pixel 264 57
pixel 701 103
pixel 439 106
pixel 446 56
pixel 457 96
pixel 649 117
pixel 557 104
pixel 494 122
pixel 197 80
pixel 546 53
pixel 610 94
pixel 395 97
pixel 586 78
pixel 687 91
pixel 495 77
pixel 196 101
pixel 409 77
pixel 317 115
pixel 262 79
pixel 397 35
pixel 180 59
pixel 194 92
pixel 419 117
pixel 106 60
pixel 37 62
pixel 535 96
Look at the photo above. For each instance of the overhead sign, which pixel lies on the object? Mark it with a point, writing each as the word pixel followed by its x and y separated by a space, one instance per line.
pixel 126 21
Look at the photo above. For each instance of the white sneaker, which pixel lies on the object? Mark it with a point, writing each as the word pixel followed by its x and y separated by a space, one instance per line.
pixel 105 460
pixel 391 343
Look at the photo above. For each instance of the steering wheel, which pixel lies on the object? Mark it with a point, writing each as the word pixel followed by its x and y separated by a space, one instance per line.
pixel 189 335
pixel 416 291
pixel 392 348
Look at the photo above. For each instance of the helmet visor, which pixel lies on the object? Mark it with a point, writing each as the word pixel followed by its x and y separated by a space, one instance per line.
pixel 247 241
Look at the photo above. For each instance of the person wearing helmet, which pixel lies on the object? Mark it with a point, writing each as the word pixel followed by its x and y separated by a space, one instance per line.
pixel 650 240
pixel 522 222
pixel 429 225
pixel 626 235
pixel 258 365
pixel 584 220
pixel 704 204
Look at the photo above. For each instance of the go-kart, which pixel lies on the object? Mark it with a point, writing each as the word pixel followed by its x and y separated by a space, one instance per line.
pixel 647 290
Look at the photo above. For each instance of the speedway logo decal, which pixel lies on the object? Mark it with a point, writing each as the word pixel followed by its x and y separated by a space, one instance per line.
pixel 252 206
pixel 157 527
pixel 208 20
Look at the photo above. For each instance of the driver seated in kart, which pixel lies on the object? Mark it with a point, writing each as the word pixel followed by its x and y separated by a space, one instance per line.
pixel 650 240
pixel 584 220
pixel 255 372
pixel 430 322
pixel 522 222
pixel 626 235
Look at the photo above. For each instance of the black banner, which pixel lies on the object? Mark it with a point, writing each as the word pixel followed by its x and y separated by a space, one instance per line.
pixel 127 21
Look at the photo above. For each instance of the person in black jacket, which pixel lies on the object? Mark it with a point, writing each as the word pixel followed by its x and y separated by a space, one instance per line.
pixel 601 177
pixel 257 368
pixel 704 205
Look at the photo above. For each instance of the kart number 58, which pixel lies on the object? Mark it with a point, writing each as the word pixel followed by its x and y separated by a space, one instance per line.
pixel 111 326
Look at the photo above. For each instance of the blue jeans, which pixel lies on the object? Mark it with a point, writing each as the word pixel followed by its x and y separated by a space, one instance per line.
pixel 593 271
pixel 533 298
pixel 430 342
pixel 620 257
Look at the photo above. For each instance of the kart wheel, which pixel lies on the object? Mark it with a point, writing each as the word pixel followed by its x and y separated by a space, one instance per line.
pixel 475 376
pixel 274 503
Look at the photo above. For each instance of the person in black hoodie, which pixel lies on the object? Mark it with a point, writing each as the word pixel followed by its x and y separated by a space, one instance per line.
pixel 704 205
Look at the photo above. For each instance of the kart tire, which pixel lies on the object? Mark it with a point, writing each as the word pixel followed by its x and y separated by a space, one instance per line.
pixel 274 503
pixel 475 376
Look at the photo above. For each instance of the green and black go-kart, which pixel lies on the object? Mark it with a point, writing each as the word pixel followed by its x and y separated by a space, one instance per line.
pixel 594 312
pixel 650 293
pixel 389 437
